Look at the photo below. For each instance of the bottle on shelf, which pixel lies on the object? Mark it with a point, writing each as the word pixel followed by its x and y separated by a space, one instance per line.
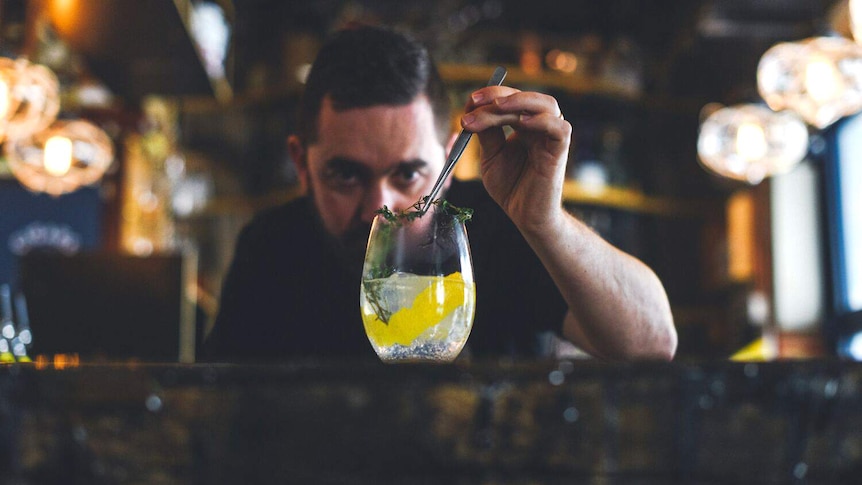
pixel 7 325
pixel 13 341
pixel 24 337
pixel 24 332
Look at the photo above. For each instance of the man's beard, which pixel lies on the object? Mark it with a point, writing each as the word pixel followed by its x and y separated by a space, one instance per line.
pixel 349 248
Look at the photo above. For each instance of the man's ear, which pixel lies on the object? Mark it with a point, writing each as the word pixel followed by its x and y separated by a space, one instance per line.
pixel 299 156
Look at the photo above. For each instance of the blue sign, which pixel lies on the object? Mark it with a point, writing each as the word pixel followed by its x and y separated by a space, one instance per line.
pixel 66 224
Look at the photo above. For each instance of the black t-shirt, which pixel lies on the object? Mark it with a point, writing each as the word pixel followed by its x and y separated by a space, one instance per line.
pixel 287 297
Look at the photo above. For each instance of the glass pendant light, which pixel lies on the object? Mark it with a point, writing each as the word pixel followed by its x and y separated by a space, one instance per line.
pixel 819 78
pixel 35 99
pixel 8 104
pixel 751 142
pixel 62 158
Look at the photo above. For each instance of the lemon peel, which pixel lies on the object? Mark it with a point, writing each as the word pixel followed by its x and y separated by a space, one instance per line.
pixel 426 311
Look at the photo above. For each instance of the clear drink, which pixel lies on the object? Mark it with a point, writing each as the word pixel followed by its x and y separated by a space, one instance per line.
pixel 417 296
pixel 412 317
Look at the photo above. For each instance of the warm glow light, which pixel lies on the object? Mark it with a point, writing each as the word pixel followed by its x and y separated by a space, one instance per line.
pixel 531 59
pixel 751 141
pixel 562 61
pixel 58 361
pixel 818 78
pixel 9 102
pixel 63 13
pixel 822 80
pixel 31 97
pixel 740 236
pixel 4 98
pixel 58 155
pixel 856 19
pixel 62 158
pixel 63 6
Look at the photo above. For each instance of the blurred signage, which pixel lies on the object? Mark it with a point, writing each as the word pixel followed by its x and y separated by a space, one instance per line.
pixel 66 224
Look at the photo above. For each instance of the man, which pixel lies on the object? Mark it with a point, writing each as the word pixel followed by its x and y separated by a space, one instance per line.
pixel 374 131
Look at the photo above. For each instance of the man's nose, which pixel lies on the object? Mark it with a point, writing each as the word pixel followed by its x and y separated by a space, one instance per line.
pixel 377 195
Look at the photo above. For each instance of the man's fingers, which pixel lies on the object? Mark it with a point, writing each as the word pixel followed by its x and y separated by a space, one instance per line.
pixel 532 103
pixel 491 141
pixel 487 118
pixel 487 95
pixel 490 108
pixel 554 127
pixel 499 106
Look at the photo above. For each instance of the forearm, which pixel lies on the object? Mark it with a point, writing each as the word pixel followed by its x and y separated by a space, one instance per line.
pixel 618 308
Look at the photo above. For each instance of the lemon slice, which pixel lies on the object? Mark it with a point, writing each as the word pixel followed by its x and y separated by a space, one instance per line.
pixel 431 306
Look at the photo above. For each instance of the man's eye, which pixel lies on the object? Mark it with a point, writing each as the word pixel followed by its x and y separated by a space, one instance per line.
pixel 344 175
pixel 405 175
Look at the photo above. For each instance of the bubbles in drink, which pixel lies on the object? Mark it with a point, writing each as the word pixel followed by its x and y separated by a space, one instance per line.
pixel 410 317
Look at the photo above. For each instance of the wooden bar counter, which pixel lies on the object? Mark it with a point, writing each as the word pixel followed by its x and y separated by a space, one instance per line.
pixel 482 423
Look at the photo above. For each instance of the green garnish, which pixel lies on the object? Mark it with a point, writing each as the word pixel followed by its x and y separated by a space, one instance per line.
pixel 461 214
pixel 372 294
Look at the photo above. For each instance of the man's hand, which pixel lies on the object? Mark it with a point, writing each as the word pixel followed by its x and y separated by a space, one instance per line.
pixel 618 308
pixel 524 173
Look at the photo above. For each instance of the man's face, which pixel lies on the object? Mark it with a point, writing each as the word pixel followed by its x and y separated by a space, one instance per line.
pixel 365 158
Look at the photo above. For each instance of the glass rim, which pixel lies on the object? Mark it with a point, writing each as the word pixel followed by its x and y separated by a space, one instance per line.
pixel 401 219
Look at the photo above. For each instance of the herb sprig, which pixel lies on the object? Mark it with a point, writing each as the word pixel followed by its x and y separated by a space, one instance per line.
pixel 373 287
pixel 461 214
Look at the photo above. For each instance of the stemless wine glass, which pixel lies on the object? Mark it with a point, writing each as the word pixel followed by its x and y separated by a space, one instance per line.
pixel 418 296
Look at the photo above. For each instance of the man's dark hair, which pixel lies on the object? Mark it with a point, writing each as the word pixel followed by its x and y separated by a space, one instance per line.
pixel 370 66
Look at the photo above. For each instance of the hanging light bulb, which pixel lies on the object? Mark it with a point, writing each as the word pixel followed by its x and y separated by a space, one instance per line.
pixel 57 157
pixel 32 98
pixel 62 158
pixel 5 101
pixel 8 103
pixel 751 142
pixel 818 78
pixel 36 92
pixel 822 80
pixel 4 97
